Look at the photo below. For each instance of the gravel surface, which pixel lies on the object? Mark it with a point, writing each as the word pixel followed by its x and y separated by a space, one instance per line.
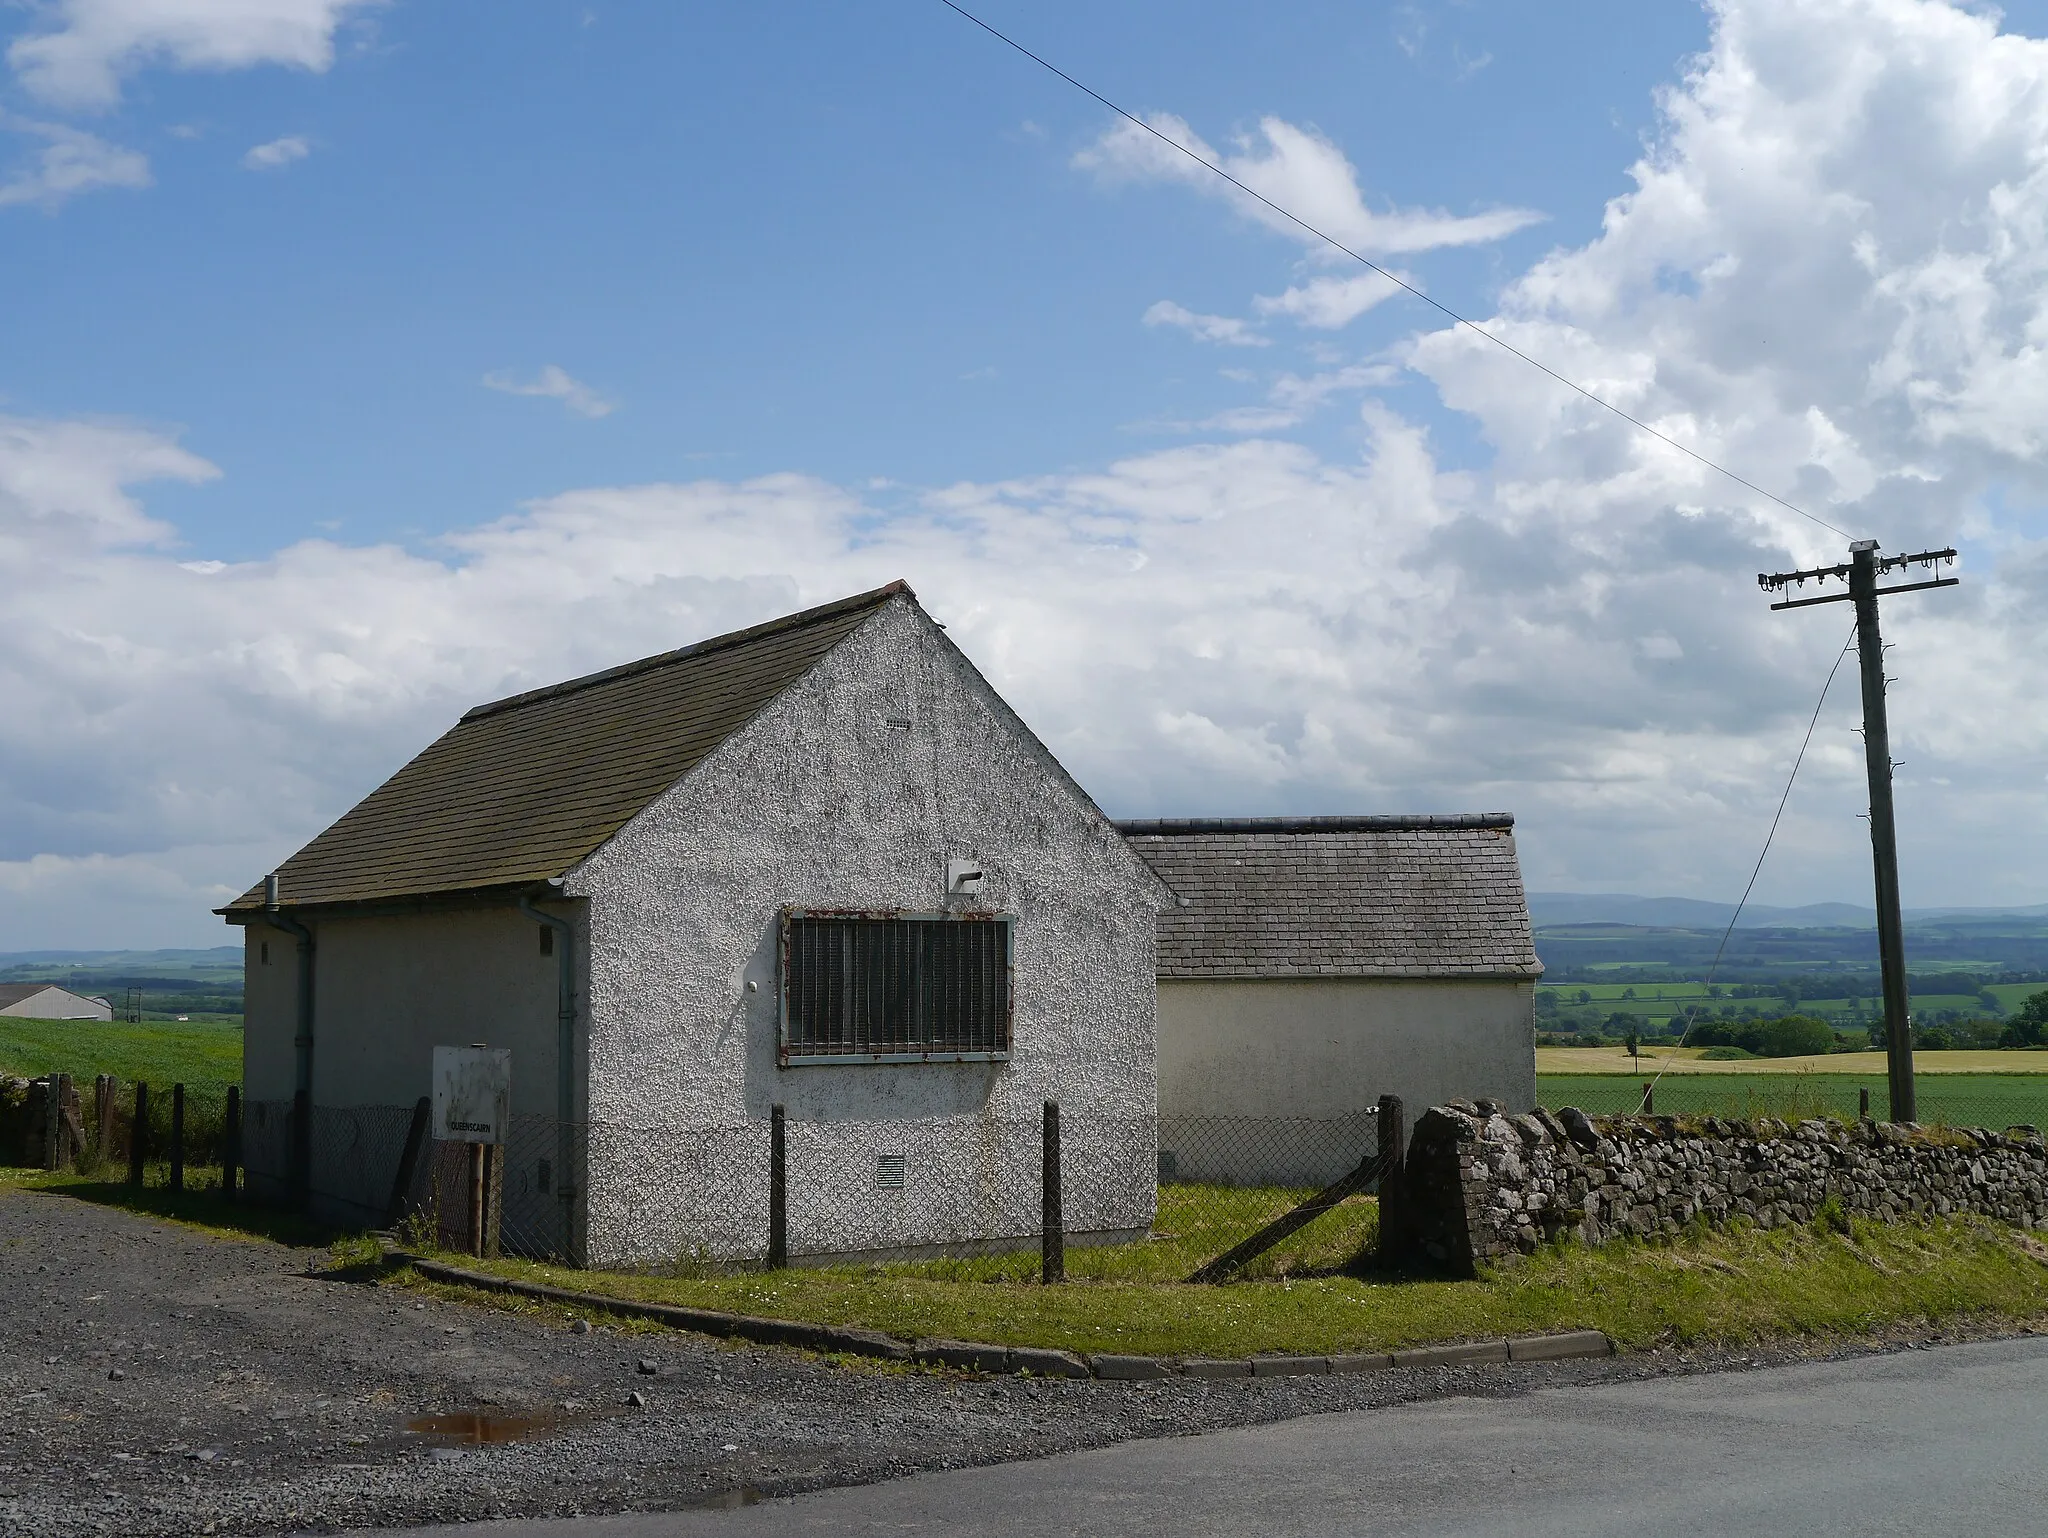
pixel 154 1379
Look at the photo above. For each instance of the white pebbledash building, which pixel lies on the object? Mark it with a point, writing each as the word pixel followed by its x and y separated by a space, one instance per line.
pixel 1313 964
pixel 817 863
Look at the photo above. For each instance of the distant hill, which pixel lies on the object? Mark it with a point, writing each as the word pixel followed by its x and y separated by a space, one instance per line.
pixel 200 983
pixel 125 961
pixel 1559 908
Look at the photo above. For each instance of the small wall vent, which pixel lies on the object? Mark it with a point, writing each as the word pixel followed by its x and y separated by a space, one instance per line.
pixel 889 1172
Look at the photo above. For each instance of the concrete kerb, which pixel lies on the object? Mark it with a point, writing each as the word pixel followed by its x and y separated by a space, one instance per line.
pixel 986 1357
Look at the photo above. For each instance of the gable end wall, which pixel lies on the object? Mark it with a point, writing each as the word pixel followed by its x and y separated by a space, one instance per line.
pixel 821 803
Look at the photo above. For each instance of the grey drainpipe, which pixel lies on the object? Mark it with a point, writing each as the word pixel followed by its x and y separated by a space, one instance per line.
pixel 300 1175
pixel 565 1062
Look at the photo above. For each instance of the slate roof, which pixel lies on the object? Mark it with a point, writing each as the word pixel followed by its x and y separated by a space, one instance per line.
pixel 519 790
pixel 1432 896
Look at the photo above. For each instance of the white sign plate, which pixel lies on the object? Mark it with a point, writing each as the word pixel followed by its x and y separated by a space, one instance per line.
pixel 472 1093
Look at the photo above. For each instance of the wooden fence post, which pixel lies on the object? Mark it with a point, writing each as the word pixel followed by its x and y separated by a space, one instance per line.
pixel 476 1199
pixel 178 1137
pixel 1391 1134
pixel 1052 1221
pixel 231 1141
pixel 102 1116
pixel 494 1197
pixel 53 1123
pixel 1649 1097
pixel 138 1134
pixel 778 1191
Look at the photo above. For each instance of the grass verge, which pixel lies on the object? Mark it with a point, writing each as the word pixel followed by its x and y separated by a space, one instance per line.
pixel 200 1205
pixel 1729 1288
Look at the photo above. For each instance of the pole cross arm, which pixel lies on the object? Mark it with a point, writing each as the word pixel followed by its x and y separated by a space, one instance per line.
pixel 1903 587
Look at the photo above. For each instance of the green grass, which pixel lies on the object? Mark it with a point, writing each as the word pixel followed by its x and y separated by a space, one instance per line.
pixel 1195 1224
pixel 200 1205
pixel 1727 1288
pixel 1994 1100
pixel 162 1052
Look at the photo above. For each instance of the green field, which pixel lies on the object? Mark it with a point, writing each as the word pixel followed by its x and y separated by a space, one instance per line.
pixel 1667 1005
pixel 160 1051
pixel 1995 1100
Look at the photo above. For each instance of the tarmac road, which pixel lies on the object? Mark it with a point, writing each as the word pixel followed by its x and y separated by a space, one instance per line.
pixel 1948 1439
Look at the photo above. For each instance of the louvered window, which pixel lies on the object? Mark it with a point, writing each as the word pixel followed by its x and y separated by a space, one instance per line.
pixel 903 987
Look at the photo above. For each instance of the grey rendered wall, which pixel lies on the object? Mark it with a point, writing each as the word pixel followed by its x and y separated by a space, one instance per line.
pixel 822 803
pixel 1328 1048
pixel 387 990
pixel 269 1002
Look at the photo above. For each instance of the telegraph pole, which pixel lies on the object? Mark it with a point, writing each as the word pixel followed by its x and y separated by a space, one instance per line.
pixel 1861 574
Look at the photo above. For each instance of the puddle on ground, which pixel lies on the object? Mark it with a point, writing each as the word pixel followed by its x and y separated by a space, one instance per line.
pixel 726 1500
pixel 484 1428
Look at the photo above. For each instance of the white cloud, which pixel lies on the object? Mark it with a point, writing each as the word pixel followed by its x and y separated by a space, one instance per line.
pixel 277 153
pixel 1302 172
pixel 1571 632
pixel 80 56
pixel 69 162
pixel 1204 328
pixel 1330 303
pixel 552 383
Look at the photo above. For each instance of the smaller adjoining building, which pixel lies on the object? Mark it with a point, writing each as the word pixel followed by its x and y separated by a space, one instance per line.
pixel 47 1001
pixel 1310 965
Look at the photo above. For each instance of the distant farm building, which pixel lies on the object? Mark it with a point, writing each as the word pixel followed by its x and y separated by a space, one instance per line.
pixel 1310 965
pixel 819 864
pixel 47 1001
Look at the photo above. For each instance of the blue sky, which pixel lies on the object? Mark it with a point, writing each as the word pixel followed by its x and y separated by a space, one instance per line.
pixel 359 361
pixel 842 240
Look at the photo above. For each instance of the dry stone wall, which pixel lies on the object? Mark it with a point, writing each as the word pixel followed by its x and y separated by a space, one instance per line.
pixel 1481 1186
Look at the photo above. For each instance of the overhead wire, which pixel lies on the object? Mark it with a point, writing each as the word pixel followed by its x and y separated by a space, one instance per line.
pixel 1391 277
pixel 1692 1015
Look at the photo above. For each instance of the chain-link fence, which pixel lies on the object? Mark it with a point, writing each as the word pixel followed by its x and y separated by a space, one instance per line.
pixel 954 1197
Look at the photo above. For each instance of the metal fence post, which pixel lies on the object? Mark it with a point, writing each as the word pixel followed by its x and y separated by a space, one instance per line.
pixel 138 1133
pixel 177 1137
pixel 231 1141
pixel 778 1192
pixel 1052 1231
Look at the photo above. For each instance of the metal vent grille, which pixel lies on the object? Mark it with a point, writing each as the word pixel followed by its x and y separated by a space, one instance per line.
pixel 898 987
pixel 889 1172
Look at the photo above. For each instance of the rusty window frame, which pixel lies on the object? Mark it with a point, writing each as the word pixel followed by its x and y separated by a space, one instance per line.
pixel 914 1007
